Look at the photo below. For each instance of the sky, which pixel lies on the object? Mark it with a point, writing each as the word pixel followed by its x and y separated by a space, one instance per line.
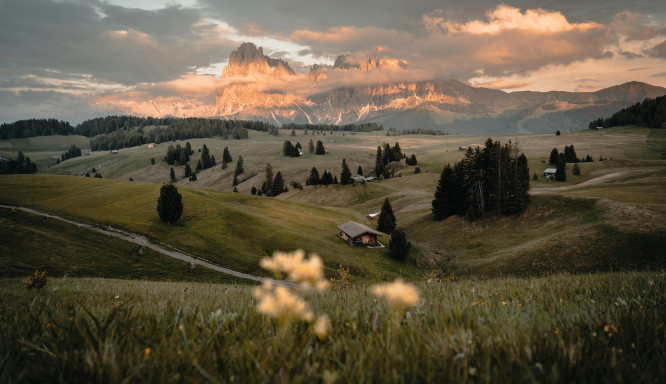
pixel 77 59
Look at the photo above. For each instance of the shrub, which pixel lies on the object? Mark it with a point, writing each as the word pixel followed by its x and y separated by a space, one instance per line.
pixel 398 244
pixel 37 280
pixel 343 280
pixel 169 204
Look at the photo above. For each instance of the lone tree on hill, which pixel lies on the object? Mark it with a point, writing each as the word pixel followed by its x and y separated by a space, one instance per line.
pixel 320 148
pixel 386 222
pixel 226 155
pixel 359 170
pixel 239 166
pixel 345 175
pixel 169 204
pixel 398 244
pixel 172 174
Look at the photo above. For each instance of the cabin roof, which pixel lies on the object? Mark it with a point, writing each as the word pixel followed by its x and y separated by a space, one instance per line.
pixel 354 229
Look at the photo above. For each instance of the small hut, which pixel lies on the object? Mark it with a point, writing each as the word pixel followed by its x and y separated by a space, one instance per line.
pixel 358 234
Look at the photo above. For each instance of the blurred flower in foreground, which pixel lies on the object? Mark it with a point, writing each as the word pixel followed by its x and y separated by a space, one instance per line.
pixel 308 273
pixel 397 294
pixel 279 302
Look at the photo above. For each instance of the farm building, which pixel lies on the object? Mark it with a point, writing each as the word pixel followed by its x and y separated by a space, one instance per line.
pixel 549 173
pixel 358 234
pixel 358 179
pixel 372 216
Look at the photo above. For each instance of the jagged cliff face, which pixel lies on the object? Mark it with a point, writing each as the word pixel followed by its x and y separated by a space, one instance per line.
pixel 248 60
pixel 253 86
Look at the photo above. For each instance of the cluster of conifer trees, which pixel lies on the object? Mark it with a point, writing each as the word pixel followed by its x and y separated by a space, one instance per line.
pixel 71 153
pixel 415 131
pixel 365 127
pixel 326 178
pixel 35 127
pixel 385 156
pixel 178 154
pixel 291 150
pixel 21 165
pixel 495 178
pixel 649 113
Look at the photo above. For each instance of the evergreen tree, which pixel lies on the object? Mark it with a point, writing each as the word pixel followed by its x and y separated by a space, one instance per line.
pixel 560 173
pixel 293 132
pixel 411 160
pixel 570 154
pixel 152 161
pixel 553 157
pixel 239 166
pixel 446 196
pixel 169 204
pixel 535 177
pixel 557 133
pixel 253 191
pixel 314 177
pixel 188 170
pixel 172 174
pixel 576 170
pixel 523 190
pixel 326 178
pixel 235 182
pixel 345 175
pixel 226 156
pixel 398 245
pixel 397 152
pixel 335 180
pixel 379 162
pixel 278 184
pixel 320 148
pixel 311 146
pixel 268 179
pixel 386 222
pixel 188 149
pixel 359 170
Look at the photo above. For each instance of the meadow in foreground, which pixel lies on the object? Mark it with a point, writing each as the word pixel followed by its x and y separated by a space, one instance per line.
pixel 562 328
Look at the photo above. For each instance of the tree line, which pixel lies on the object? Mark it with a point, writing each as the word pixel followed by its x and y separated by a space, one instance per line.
pixel 495 178
pixel 649 113
pixel 414 131
pixel 35 127
pixel 365 127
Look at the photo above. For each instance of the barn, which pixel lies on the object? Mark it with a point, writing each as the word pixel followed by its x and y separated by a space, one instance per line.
pixel 358 234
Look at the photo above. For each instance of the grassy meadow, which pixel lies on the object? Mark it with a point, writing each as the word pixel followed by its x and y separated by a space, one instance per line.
pixel 563 328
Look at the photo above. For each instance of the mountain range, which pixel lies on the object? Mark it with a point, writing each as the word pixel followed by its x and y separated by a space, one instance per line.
pixel 255 86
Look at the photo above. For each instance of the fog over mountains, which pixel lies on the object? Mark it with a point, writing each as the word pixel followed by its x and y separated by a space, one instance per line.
pixel 254 86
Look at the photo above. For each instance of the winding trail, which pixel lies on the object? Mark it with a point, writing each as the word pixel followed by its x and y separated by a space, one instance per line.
pixel 144 242
pixel 597 180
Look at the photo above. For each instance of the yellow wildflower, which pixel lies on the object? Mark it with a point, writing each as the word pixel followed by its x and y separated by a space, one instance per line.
pixel 308 273
pixel 146 353
pixel 397 294
pixel 281 303
pixel 322 327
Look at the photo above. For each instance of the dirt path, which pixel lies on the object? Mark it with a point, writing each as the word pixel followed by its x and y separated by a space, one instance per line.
pixel 596 180
pixel 144 242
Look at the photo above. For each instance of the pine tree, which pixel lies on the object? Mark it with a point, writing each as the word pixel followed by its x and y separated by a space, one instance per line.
pixel 226 156
pixel 446 197
pixel 553 157
pixel 268 179
pixel 235 182
pixel 320 148
pixel 523 185
pixel 379 162
pixel 152 161
pixel 314 177
pixel 359 170
pixel 278 184
pixel 345 175
pixel 169 204
pixel 576 170
pixel 293 132
pixel 239 166
pixel 560 173
pixel 172 174
pixel 253 191
pixel 188 148
pixel 311 146
pixel 188 170
pixel 398 245
pixel 386 222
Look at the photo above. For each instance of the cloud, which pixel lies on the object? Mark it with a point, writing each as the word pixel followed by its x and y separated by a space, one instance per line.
pixel 659 50
pixel 111 43
pixel 507 18
pixel 636 26
pixel 502 84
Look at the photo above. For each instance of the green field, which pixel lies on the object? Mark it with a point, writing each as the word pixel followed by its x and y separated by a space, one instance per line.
pixel 615 223
pixel 583 328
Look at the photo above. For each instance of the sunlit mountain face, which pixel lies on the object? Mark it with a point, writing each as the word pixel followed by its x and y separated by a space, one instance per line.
pixel 254 86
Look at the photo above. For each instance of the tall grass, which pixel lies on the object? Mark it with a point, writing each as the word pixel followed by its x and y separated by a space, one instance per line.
pixel 585 328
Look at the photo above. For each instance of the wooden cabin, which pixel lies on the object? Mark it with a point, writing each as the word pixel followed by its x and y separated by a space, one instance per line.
pixel 358 234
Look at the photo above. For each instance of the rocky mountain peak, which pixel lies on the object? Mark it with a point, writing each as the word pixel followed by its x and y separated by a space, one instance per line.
pixel 249 60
